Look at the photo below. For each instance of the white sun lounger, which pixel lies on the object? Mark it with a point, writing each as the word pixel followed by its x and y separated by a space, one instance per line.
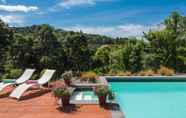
pixel 24 77
pixel 18 92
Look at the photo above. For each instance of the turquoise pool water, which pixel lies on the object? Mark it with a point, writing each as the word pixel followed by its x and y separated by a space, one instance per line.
pixel 151 100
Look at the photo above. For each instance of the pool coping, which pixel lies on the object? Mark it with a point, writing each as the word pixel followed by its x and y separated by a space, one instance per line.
pixel 178 78
pixel 100 81
pixel 115 110
pixel 84 102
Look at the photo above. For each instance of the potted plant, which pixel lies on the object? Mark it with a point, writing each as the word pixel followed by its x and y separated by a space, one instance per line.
pixel 63 94
pixel 102 91
pixel 67 76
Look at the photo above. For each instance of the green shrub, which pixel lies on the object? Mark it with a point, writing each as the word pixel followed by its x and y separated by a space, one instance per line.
pixel 35 76
pixel 13 74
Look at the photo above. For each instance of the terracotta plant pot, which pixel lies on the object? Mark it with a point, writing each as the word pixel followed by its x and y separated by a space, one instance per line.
pixel 65 101
pixel 68 82
pixel 102 99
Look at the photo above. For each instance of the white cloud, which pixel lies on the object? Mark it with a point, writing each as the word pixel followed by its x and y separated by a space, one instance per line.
pixel 71 3
pixel 12 19
pixel 128 30
pixel 67 4
pixel 17 8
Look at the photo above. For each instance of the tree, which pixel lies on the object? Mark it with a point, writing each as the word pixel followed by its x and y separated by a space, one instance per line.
pixel 173 22
pixel 22 49
pixel 77 51
pixel 164 43
pixel 6 36
pixel 48 50
pixel 127 50
pixel 116 62
pixel 167 43
pixel 102 55
pixel 135 58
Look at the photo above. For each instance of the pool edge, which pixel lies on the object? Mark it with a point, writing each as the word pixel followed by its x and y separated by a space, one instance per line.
pixel 145 78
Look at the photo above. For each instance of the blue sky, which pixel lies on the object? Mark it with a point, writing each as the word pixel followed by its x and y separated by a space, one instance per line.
pixel 116 18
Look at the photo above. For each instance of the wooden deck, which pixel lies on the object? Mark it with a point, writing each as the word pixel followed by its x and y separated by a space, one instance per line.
pixel 41 104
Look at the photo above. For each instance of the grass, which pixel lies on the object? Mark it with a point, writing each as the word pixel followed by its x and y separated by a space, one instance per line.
pixel 88 76
pixel 146 73
pixel 124 73
pixel 166 71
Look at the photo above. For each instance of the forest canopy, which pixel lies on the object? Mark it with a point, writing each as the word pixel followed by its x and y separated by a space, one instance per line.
pixel 43 46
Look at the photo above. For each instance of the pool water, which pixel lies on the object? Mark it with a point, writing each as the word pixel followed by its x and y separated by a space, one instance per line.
pixel 151 100
pixel 84 95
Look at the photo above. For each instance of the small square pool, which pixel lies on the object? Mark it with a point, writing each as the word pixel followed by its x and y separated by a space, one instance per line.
pixel 84 96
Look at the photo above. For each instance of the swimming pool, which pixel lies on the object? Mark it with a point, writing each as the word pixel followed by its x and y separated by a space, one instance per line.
pixel 151 99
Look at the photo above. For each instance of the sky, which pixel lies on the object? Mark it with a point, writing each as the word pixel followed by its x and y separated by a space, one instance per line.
pixel 115 18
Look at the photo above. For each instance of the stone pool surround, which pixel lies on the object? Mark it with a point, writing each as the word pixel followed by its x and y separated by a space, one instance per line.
pixel 113 106
pixel 176 78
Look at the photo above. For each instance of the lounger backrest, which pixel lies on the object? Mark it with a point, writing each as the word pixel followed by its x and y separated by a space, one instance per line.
pixel 25 76
pixel 46 76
